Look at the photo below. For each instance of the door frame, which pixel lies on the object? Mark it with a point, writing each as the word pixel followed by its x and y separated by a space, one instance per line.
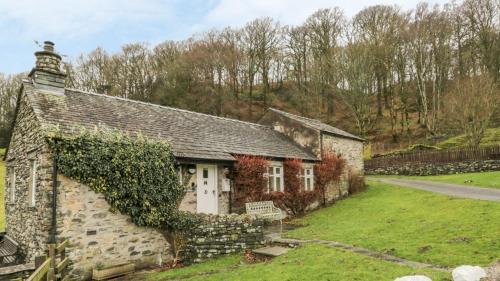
pixel 199 175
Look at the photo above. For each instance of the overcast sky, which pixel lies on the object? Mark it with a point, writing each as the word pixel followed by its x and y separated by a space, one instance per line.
pixel 78 26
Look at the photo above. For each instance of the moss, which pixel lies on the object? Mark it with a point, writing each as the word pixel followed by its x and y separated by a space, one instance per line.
pixel 491 137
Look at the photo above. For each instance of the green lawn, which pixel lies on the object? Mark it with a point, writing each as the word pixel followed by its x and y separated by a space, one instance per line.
pixel 484 179
pixel 403 222
pixel 310 262
pixel 413 224
pixel 2 182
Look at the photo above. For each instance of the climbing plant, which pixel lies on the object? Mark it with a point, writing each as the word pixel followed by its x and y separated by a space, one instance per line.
pixel 294 199
pixel 328 171
pixel 137 175
pixel 250 178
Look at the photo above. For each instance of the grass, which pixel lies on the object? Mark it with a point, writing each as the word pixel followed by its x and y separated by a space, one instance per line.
pixel 483 179
pixel 491 137
pixel 413 224
pixel 310 262
pixel 2 188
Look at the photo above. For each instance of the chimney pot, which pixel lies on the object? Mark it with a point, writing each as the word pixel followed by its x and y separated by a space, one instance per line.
pixel 47 69
pixel 48 46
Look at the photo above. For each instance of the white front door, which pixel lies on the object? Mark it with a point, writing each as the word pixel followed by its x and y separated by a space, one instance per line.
pixel 206 191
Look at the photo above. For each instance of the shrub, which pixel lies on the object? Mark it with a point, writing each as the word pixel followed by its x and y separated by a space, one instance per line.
pixel 356 182
pixel 294 199
pixel 250 181
pixel 292 170
pixel 327 171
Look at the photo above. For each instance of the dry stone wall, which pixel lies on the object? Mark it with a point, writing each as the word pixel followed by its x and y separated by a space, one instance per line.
pixel 427 169
pixel 223 234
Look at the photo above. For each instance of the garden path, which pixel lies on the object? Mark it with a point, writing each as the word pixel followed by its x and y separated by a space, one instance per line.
pixel 359 250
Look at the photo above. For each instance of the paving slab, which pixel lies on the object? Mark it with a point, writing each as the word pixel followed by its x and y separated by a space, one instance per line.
pixel 272 251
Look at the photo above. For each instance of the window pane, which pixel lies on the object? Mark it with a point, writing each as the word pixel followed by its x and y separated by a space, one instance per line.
pixel 308 171
pixel 308 184
pixel 205 173
pixel 271 183
pixel 271 170
pixel 278 184
pixel 278 170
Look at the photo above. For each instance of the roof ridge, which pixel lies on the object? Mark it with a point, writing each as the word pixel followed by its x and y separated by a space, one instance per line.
pixel 342 133
pixel 166 107
pixel 296 115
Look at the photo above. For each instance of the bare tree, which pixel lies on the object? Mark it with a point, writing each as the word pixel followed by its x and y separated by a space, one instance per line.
pixel 471 103
pixel 325 28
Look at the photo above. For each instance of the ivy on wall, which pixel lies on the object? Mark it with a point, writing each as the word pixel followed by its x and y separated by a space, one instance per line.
pixel 137 175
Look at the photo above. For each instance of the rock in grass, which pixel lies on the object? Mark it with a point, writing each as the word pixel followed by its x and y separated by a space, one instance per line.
pixel 493 272
pixel 468 273
pixel 413 278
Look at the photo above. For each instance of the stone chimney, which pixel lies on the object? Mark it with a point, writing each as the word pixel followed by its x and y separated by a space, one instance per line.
pixel 47 70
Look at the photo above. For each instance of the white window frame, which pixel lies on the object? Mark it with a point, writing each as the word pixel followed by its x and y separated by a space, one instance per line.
pixel 12 185
pixel 309 177
pixel 275 177
pixel 32 186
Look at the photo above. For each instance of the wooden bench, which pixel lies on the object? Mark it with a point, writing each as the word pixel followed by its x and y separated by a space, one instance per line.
pixel 265 210
pixel 8 251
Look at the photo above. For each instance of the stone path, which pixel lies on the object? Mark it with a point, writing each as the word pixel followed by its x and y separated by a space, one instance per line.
pixel 272 251
pixel 362 251
pixel 456 190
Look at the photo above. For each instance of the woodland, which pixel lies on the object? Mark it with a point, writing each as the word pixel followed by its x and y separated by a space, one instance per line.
pixel 392 76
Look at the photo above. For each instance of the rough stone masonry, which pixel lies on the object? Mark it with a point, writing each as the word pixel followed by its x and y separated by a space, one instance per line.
pixel 223 234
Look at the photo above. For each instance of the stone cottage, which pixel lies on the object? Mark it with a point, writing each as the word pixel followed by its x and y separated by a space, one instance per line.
pixel 204 147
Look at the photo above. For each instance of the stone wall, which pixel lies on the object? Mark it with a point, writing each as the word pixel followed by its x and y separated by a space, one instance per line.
pixel 99 236
pixel 304 136
pixel 437 168
pixel 223 234
pixel 351 150
pixel 27 224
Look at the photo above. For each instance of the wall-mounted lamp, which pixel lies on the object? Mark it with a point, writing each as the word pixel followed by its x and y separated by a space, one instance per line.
pixel 191 169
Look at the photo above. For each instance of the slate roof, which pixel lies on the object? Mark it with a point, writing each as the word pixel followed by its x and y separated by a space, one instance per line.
pixel 316 124
pixel 191 134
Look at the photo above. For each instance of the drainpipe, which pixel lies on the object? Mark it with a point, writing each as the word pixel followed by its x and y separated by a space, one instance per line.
pixel 53 229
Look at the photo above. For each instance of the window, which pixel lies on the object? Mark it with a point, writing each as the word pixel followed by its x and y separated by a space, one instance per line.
pixel 308 179
pixel 12 184
pixel 32 186
pixel 275 179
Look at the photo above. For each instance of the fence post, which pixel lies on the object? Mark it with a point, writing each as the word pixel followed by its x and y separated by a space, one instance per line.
pixel 52 255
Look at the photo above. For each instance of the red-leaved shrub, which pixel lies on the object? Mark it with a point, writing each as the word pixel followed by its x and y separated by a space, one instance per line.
pixel 250 181
pixel 327 171
pixel 292 169
pixel 294 199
